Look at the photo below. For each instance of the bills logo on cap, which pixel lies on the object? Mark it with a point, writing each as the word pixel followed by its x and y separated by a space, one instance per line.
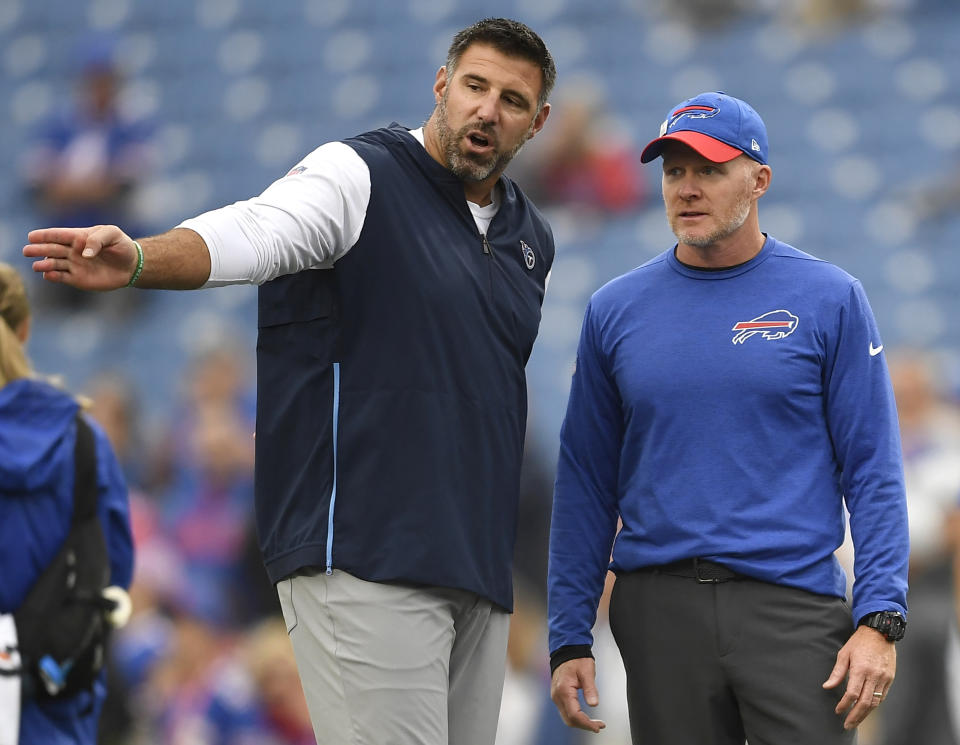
pixel 776 324
pixel 529 257
pixel 691 112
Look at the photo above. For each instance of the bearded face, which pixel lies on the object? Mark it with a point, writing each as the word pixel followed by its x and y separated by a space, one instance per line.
pixel 475 152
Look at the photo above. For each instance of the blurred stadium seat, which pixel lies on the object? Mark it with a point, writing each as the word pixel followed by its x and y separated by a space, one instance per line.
pixel 860 118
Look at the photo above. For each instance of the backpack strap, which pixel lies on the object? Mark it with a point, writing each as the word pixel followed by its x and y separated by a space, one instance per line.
pixel 85 472
pixel 61 623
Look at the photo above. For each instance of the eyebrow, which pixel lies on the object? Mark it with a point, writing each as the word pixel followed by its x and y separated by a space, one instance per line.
pixel 511 91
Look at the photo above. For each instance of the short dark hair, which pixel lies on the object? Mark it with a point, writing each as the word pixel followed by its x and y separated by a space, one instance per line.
pixel 513 39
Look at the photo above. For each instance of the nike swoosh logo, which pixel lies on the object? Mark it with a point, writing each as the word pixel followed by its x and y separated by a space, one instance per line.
pixel 874 351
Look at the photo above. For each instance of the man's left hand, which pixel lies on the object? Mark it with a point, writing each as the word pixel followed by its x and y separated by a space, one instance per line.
pixel 869 663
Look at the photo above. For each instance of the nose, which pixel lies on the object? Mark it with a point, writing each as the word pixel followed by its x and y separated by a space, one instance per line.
pixel 688 189
pixel 488 108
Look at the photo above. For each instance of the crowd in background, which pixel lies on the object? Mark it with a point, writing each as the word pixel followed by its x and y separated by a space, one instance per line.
pixel 205 659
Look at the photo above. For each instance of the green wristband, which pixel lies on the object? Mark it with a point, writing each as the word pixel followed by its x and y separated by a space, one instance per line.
pixel 139 269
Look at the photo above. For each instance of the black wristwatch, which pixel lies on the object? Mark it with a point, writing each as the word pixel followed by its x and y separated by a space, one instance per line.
pixel 888 622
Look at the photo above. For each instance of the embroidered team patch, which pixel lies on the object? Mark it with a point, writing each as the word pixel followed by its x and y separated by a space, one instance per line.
pixel 529 257
pixel 776 324
pixel 295 170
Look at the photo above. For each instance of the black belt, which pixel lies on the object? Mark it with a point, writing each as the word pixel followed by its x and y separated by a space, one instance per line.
pixel 698 569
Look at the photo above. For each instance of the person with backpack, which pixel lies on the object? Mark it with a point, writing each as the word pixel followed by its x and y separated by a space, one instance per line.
pixel 56 468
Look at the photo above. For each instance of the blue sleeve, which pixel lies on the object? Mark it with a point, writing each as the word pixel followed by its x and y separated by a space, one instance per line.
pixel 862 418
pixel 585 498
pixel 114 510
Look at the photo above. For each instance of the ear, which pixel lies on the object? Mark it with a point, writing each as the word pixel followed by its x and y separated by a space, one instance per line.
pixel 540 119
pixel 762 177
pixel 440 84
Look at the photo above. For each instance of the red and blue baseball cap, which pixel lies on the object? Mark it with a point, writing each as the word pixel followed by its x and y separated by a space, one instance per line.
pixel 718 126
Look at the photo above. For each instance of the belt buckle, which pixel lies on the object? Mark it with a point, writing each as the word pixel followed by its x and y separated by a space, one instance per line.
pixel 704 580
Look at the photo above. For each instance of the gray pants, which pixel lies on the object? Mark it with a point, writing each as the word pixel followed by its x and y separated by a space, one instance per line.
pixel 721 663
pixel 389 664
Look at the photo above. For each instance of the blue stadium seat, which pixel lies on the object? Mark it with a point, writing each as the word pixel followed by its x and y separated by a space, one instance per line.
pixel 644 61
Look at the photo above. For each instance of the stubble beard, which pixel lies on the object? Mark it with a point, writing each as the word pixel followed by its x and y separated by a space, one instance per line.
pixel 471 166
pixel 728 227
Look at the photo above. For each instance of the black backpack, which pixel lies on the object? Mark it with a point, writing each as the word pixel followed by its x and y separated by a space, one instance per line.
pixel 62 625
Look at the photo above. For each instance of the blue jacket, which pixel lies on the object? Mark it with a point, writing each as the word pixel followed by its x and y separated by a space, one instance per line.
pixel 37 433
pixel 391 394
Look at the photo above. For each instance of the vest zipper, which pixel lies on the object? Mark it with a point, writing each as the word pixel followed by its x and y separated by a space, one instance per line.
pixel 488 251
pixel 333 490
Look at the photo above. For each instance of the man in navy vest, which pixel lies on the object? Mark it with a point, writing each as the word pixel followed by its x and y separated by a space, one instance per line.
pixel 401 278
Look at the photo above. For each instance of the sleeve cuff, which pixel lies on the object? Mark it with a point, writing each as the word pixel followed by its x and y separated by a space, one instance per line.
pixel 567 653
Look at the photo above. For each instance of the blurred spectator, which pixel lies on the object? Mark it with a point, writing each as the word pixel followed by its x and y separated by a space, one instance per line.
pixel 114 406
pixel 138 648
pixel 208 514
pixel 533 516
pixel 88 158
pixel 524 689
pixel 282 708
pixel 220 374
pixel 916 709
pixel 214 690
pixel 195 585
pixel 527 716
pixel 179 686
pixel 611 676
pixel 206 503
pixel 705 14
pixel 216 376
pixel 940 198
pixel 586 160
pixel 825 15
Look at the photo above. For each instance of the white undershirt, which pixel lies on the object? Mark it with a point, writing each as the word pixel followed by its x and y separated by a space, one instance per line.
pixel 308 219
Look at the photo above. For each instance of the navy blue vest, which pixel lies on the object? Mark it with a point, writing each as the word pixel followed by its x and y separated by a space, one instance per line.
pixel 391 401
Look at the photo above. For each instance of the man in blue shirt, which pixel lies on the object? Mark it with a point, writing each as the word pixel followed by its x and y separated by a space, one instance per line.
pixel 730 399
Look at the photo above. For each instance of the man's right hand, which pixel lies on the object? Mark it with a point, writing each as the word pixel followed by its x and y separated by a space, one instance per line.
pixel 101 257
pixel 568 678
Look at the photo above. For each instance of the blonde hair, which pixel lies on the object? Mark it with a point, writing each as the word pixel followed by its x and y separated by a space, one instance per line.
pixel 14 311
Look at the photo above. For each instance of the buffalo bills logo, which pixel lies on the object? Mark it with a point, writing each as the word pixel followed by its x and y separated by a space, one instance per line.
pixel 296 170
pixel 698 111
pixel 773 325
pixel 529 257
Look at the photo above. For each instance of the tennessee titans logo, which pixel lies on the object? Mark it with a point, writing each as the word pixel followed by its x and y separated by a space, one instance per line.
pixel 529 257
pixel 776 324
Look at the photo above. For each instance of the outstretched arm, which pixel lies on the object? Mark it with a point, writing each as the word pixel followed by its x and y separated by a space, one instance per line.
pixel 103 258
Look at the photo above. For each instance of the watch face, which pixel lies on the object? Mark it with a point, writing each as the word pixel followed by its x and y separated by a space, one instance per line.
pixel 890 624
